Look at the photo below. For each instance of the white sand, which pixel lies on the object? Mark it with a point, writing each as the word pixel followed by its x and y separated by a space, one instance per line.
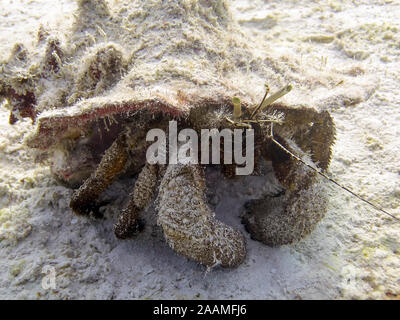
pixel 354 252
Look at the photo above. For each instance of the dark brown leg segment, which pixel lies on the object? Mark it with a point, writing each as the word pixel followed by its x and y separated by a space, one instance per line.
pixel 113 162
pixel 128 224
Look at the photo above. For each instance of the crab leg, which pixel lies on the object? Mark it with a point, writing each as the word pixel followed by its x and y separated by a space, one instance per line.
pixel 285 219
pixel 128 224
pixel 190 227
pixel 290 216
pixel 111 164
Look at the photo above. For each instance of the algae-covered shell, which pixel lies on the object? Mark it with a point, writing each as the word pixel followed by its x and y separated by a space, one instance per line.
pixel 163 56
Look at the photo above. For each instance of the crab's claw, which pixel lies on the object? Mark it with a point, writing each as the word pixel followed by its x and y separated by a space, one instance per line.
pixel 292 215
pixel 189 225
pixel 287 218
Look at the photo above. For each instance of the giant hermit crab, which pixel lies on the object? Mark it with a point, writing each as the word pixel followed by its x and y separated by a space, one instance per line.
pixel 120 73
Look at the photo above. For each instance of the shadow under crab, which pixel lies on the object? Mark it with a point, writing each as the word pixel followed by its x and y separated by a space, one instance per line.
pixel 121 73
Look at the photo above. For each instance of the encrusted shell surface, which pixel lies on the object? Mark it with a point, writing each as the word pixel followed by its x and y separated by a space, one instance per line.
pixel 163 56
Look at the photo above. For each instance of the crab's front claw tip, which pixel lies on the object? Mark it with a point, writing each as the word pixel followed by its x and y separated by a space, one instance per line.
pixel 285 219
pixel 268 221
pixel 213 244
pixel 233 253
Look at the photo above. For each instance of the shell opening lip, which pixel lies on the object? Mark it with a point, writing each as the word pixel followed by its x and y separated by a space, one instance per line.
pixel 52 126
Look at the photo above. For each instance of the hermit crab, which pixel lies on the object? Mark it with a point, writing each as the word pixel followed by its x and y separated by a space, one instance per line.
pixel 95 91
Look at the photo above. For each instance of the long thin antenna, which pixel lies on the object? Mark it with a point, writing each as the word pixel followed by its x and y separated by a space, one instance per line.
pixel 259 106
pixel 330 179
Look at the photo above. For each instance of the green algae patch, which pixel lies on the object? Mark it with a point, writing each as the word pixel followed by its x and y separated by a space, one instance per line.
pixel 16 268
pixel 320 38
pixel 356 42
pixel 14 224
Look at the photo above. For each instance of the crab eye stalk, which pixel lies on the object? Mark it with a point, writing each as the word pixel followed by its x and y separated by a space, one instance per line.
pixel 237 109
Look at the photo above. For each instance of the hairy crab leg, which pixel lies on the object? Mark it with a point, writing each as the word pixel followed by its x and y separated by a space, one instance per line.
pixel 128 224
pixel 189 225
pixel 112 163
pixel 290 216
pixel 287 218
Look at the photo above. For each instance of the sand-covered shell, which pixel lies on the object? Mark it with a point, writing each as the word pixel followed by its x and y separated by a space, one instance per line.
pixel 162 56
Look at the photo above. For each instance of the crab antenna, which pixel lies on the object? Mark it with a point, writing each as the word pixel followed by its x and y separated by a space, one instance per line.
pixel 237 109
pixel 330 179
pixel 271 99
pixel 265 95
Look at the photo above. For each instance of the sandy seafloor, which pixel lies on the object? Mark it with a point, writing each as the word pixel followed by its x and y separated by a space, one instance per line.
pixel 354 252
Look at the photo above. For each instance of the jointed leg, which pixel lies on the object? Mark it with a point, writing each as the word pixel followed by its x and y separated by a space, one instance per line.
pixel 112 163
pixel 287 218
pixel 128 224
